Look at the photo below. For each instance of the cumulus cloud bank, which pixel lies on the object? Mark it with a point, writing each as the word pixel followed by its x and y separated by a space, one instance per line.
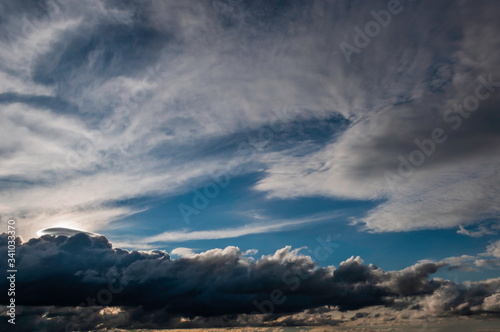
pixel 96 283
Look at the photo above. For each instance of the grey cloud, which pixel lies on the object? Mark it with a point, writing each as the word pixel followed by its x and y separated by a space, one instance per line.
pixel 414 77
pixel 467 299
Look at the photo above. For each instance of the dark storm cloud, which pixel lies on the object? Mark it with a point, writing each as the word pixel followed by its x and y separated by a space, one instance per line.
pixel 153 289
pixel 186 286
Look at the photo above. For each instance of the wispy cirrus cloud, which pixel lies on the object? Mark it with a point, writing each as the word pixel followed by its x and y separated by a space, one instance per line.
pixel 456 181
pixel 118 102
pixel 267 226
pixel 108 102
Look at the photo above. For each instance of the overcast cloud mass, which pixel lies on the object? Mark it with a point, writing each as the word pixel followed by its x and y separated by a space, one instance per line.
pixel 180 126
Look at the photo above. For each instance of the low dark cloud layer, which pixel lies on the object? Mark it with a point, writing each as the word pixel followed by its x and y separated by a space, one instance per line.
pixel 152 289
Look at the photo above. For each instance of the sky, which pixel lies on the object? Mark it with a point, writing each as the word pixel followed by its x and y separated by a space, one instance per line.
pixel 212 152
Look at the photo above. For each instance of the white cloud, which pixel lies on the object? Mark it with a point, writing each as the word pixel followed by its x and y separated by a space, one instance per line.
pixel 253 228
pixel 494 249
pixel 183 252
